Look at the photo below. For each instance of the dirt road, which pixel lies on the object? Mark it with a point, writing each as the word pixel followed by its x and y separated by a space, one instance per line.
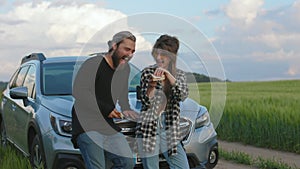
pixel 222 164
pixel 291 159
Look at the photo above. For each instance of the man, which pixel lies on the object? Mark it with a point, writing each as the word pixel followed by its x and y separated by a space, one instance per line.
pixel 101 82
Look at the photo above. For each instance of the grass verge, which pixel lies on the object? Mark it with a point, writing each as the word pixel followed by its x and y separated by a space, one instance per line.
pixel 259 162
pixel 11 158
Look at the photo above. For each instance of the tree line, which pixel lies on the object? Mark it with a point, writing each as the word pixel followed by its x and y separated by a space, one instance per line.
pixel 196 77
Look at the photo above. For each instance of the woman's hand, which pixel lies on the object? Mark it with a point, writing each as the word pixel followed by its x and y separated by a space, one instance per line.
pixel 161 71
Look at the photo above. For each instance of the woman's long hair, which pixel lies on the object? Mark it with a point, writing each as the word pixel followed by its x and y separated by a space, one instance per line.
pixel 167 45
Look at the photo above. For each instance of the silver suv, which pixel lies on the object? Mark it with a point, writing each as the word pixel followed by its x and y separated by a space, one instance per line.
pixel 35 116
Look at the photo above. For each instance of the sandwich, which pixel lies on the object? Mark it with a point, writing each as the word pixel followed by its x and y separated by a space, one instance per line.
pixel 157 78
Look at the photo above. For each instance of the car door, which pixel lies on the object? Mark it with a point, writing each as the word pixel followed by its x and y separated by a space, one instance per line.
pixel 25 110
pixel 11 105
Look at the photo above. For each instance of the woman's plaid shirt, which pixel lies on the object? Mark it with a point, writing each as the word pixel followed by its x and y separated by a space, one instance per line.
pixel 149 113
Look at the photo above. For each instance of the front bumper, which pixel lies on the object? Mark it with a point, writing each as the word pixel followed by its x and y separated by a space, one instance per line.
pixel 200 144
pixel 60 153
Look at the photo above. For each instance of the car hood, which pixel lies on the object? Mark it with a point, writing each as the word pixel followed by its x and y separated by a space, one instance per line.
pixel 188 108
pixel 63 105
pixel 59 104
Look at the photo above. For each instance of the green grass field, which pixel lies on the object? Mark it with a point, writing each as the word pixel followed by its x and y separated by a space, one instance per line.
pixel 264 114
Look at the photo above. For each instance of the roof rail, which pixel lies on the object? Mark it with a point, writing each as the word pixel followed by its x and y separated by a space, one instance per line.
pixel 33 56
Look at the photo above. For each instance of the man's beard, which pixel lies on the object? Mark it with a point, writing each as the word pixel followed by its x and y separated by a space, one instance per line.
pixel 115 59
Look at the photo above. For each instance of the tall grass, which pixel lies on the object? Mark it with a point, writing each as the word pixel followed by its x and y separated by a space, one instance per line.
pixel 11 158
pixel 264 114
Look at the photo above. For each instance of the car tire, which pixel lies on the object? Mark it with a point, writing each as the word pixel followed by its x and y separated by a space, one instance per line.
pixel 67 166
pixel 37 156
pixel 2 134
pixel 213 157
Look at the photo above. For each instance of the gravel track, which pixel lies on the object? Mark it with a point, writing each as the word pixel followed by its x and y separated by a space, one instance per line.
pixel 292 159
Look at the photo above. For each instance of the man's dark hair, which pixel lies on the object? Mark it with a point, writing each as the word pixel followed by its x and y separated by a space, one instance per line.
pixel 119 37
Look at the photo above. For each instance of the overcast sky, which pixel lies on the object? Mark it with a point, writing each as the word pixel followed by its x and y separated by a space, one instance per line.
pixel 248 40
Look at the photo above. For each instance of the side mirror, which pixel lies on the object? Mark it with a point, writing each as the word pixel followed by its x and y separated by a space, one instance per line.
pixel 138 92
pixel 19 93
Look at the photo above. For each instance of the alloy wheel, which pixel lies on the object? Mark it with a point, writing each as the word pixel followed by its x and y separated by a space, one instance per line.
pixel 213 157
pixel 36 154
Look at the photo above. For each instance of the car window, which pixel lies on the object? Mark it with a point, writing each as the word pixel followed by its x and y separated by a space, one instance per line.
pixel 29 81
pixel 13 79
pixel 57 78
pixel 19 78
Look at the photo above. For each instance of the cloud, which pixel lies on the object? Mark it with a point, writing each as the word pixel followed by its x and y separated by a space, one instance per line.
pixel 293 70
pixel 264 36
pixel 2 2
pixel 214 12
pixel 54 28
pixel 4 73
pixel 10 21
pixel 274 40
pixel 276 55
pixel 59 24
pixel 245 11
pixel 60 3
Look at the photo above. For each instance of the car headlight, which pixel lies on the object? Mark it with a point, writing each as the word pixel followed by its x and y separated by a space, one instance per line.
pixel 61 125
pixel 202 120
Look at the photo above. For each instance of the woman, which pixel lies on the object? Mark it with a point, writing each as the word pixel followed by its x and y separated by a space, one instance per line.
pixel 162 88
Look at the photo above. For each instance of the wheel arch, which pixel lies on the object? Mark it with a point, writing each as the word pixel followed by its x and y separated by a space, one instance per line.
pixel 34 130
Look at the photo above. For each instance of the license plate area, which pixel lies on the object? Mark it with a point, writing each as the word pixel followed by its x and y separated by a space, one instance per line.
pixel 138 159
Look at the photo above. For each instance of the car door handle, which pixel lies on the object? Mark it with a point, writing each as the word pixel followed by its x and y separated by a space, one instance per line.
pixel 13 107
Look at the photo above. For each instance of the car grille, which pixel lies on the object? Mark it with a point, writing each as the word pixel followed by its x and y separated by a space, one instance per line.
pixel 128 127
pixel 129 130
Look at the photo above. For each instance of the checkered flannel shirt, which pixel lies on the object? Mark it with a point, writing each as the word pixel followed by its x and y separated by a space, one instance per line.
pixel 149 116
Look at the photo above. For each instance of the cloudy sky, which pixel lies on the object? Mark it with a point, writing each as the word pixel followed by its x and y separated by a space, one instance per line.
pixel 249 40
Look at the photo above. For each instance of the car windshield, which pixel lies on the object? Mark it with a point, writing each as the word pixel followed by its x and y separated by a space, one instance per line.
pixel 57 78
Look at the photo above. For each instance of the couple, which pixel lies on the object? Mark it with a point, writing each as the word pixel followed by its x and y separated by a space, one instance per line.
pixel 102 81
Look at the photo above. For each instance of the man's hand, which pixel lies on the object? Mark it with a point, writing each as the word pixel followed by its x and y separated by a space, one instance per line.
pixel 115 114
pixel 131 115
